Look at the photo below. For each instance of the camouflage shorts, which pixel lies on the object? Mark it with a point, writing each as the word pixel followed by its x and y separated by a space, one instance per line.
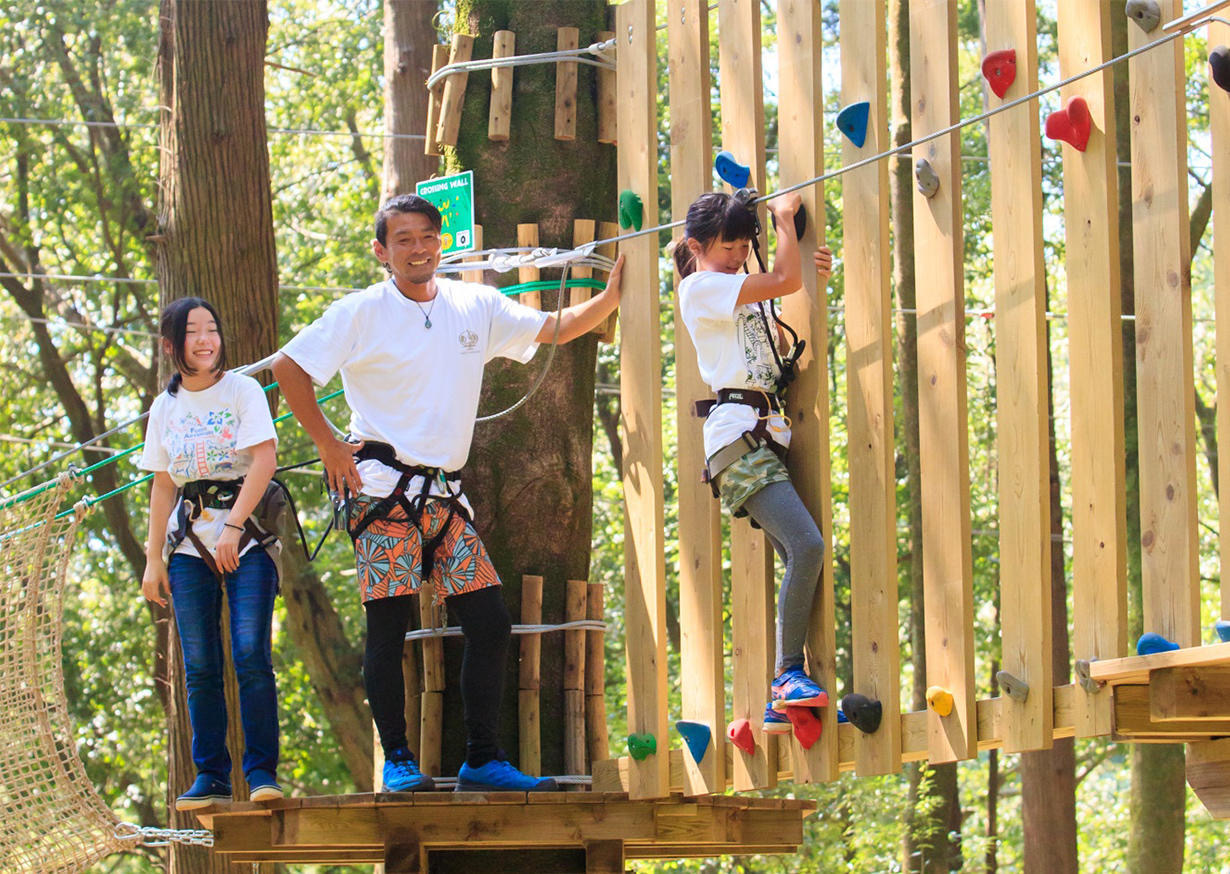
pixel 748 475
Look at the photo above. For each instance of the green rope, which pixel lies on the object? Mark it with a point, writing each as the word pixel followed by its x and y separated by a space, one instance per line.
pixel 89 502
pixel 548 285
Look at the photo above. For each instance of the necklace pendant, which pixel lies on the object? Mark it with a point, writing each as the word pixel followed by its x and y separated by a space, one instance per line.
pixel 427 323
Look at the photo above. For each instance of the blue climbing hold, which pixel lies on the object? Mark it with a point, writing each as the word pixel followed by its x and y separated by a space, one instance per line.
pixel 731 171
pixel 1151 642
pixel 852 121
pixel 696 735
pixel 841 716
pixel 1222 627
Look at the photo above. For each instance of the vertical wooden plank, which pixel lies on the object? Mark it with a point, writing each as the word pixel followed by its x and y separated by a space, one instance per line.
pixel 751 566
pixel 499 116
pixel 529 726
pixel 574 680
pixel 703 696
pixel 606 98
pixel 412 680
pixel 943 437
pixel 475 275
pixel 567 38
pixel 595 680
pixel 641 404
pixel 607 231
pixel 1095 341
pixel 1021 385
pixel 582 233
pixel 869 375
pixel 801 156
pixel 431 718
pixel 1164 393
pixel 454 92
pixel 439 57
pixel 527 235
pixel 1219 124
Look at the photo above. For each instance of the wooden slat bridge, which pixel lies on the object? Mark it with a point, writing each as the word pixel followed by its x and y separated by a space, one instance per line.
pixel 568 833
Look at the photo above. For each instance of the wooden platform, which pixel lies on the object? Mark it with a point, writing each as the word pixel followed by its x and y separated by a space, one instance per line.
pixel 432 832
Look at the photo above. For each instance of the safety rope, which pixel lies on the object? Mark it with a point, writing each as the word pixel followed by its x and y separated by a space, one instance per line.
pixel 455 630
pixel 576 55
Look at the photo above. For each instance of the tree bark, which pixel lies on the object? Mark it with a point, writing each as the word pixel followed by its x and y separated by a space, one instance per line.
pixel 215 241
pixel 408 38
pixel 529 474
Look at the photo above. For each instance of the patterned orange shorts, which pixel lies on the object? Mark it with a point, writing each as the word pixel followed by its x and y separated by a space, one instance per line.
pixel 388 554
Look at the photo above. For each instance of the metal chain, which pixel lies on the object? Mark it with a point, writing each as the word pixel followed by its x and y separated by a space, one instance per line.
pixel 152 836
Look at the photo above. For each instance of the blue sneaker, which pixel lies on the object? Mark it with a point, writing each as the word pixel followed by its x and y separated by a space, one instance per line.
pixel 499 776
pixel 263 786
pixel 207 789
pixel 775 722
pixel 793 688
pixel 402 774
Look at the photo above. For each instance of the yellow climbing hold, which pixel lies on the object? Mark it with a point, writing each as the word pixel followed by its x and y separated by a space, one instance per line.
pixel 939 699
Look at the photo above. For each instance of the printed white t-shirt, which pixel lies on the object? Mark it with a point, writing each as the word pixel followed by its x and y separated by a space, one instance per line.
pixel 732 350
pixel 410 386
pixel 207 434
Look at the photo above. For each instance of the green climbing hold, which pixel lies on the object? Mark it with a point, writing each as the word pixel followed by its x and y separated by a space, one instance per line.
pixel 631 210
pixel 641 746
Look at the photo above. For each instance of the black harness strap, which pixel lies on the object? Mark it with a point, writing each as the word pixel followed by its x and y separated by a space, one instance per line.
pixel 199 495
pixel 413 506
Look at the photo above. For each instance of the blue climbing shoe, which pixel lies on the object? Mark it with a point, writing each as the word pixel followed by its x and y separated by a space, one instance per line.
pixel 402 774
pixel 263 786
pixel 207 789
pixel 499 776
pixel 793 688
pixel 775 722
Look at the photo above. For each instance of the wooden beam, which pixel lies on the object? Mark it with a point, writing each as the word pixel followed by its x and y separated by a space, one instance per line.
pixel 567 38
pixel 703 696
pixel 1022 443
pixel 499 117
pixel 1133 717
pixel 641 402
pixel 1190 694
pixel 1219 131
pixel 607 231
pixel 751 566
pixel 1136 669
pixel 596 740
pixel 439 57
pixel 449 124
pixel 529 725
pixel 606 99
pixel 1208 773
pixel 869 386
pixel 800 157
pixel 1095 342
pixel 431 710
pixel 604 857
pixel 582 233
pixel 943 437
pixel 527 236
pixel 574 680
pixel 1164 392
pixel 475 275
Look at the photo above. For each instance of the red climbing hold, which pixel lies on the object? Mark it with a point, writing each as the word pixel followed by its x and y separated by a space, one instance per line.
pixel 1071 124
pixel 806 725
pixel 999 69
pixel 740 734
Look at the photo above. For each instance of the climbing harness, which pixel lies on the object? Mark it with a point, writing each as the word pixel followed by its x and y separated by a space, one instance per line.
pixel 196 496
pixel 412 505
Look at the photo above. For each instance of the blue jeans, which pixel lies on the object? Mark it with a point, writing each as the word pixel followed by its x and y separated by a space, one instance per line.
pixel 196 596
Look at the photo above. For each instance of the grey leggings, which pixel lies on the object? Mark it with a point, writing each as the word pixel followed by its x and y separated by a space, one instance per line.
pixel 778 509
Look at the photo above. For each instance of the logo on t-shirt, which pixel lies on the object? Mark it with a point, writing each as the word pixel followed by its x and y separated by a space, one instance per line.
pixel 468 340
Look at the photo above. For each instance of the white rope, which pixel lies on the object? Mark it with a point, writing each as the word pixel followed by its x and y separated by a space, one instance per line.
pixel 578 55
pixel 289 131
pixel 562 779
pixel 85 326
pixel 152 836
pixel 455 630
pixel 504 260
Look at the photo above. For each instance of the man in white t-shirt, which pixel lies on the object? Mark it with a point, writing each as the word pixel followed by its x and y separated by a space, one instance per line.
pixel 411 351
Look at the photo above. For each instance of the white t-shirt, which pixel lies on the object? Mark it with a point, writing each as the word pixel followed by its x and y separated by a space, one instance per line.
pixel 732 351
pixel 410 386
pixel 207 434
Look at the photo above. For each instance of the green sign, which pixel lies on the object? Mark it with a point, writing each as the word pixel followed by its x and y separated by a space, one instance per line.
pixel 454 197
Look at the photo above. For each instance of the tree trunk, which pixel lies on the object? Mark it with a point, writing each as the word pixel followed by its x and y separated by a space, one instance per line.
pixel 929 843
pixel 215 240
pixel 408 37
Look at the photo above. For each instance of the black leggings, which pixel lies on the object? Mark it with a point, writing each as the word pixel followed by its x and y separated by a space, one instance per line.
pixel 484 621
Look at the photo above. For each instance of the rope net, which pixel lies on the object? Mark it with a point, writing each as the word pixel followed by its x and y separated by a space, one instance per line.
pixel 52 820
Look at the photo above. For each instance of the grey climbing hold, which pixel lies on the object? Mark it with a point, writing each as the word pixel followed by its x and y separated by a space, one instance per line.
pixel 1088 683
pixel 1219 63
pixel 1146 13
pixel 1014 687
pixel 928 181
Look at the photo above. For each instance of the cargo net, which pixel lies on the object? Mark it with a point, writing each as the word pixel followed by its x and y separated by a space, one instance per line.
pixel 51 818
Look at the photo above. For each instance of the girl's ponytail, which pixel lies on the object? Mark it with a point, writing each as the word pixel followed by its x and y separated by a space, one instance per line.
pixel 685 259
pixel 173 383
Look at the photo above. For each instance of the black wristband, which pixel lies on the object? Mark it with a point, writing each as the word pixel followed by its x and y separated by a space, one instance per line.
pixel 236 527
